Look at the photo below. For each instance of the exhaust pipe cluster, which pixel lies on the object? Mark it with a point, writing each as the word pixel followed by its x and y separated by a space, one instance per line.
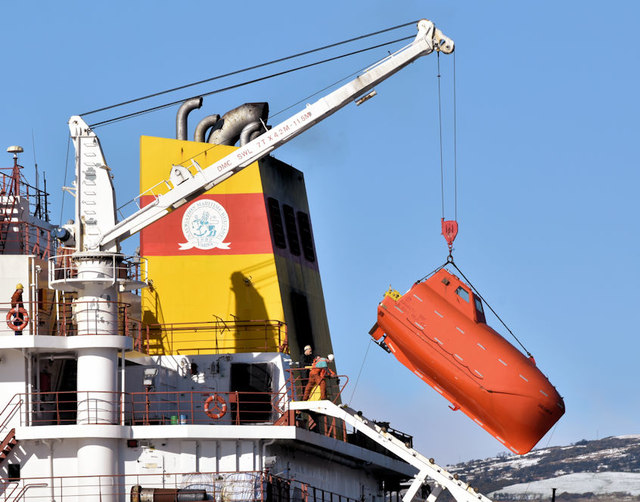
pixel 243 124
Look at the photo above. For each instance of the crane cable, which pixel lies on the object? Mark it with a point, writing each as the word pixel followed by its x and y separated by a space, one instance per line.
pixel 249 68
pixel 247 82
pixel 364 359
pixel 172 103
pixel 475 290
pixel 449 227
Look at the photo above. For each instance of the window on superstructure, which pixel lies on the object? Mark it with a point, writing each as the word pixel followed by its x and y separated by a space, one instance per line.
pixel 277 229
pixel 306 237
pixel 13 472
pixel 292 230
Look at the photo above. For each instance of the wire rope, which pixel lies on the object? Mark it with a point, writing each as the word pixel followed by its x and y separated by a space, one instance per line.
pixel 355 385
pixel 440 132
pixel 306 98
pixel 455 140
pixel 249 68
pixel 475 290
pixel 455 143
pixel 242 84
pixel 303 100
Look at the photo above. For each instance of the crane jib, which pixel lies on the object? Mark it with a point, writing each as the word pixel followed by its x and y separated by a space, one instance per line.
pixel 428 39
pixel 265 140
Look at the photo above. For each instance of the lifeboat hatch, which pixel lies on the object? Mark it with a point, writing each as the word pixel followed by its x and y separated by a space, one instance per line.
pixel 438 330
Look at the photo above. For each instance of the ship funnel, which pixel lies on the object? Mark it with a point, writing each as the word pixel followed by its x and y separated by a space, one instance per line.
pixel 183 113
pixel 229 129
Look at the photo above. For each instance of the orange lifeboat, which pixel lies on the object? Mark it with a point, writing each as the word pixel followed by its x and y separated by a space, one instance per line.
pixel 438 330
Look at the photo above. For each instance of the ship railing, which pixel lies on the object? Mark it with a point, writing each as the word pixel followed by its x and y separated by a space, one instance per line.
pixel 9 494
pixel 294 390
pixel 217 337
pixel 8 413
pixel 298 379
pixel 37 198
pixel 130 271
pixel 36 311
pixel 163 408
pixel 26 238
pixel 246 486
pixel 59 318
pixel 149 408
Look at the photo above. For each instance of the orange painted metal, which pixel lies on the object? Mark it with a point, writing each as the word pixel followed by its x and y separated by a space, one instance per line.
pixel 438 330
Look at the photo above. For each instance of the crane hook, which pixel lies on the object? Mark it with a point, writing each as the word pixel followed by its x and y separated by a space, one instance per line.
pixel 449 231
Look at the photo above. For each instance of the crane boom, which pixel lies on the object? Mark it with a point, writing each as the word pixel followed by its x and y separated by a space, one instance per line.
pixel 187 185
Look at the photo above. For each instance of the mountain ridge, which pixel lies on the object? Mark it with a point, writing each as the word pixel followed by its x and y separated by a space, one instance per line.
pixel 604 469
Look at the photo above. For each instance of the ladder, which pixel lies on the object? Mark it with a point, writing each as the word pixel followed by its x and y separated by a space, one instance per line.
pixel 9 443
pixel 427 468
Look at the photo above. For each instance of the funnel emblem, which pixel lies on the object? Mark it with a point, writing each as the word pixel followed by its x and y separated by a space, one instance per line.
pixel 205 225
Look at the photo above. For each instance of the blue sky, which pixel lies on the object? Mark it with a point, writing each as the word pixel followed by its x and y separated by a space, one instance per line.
pixel 547 154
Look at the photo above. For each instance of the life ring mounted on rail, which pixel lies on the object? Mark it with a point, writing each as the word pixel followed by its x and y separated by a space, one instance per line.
pixel 215 406
pixel 17 314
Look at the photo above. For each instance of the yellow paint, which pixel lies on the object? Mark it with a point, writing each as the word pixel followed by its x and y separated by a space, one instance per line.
pixel 157 155
pixel 192 295
pixel 393 293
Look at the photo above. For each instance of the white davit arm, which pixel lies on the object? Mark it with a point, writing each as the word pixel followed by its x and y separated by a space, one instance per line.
pixel 429 38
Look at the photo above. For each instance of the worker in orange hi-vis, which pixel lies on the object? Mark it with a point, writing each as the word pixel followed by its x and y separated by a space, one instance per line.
pixel 318 372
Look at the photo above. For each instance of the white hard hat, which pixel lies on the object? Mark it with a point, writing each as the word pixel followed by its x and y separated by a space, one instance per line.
pixel 307 347
pixel 330 357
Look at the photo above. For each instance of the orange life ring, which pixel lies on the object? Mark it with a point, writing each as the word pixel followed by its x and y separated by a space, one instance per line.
pixel 13 314
pixel 215 406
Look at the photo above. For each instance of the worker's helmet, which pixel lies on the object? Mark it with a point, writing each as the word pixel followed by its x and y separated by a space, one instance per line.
pixel 307 347
pixel 330 357
pixel 19 286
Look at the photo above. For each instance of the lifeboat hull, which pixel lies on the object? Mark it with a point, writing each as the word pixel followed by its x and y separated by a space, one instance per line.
pixel 439 334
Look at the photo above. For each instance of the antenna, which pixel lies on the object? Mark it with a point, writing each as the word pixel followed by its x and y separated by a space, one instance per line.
pixel 35 162
pixel 15 150
pixel 14 187
pixel 38 209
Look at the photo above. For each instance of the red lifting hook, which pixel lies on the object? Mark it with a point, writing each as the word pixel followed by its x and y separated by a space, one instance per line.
pixel 449 231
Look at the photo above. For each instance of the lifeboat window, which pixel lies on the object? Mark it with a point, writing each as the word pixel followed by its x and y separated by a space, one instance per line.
pixel 479 310
pixel 463 293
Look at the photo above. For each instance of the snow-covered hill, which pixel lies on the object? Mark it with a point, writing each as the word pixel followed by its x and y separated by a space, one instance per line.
pixel 605 469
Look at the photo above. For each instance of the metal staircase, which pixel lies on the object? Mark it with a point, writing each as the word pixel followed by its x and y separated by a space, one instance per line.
pixel 9 443
pixel 427 468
